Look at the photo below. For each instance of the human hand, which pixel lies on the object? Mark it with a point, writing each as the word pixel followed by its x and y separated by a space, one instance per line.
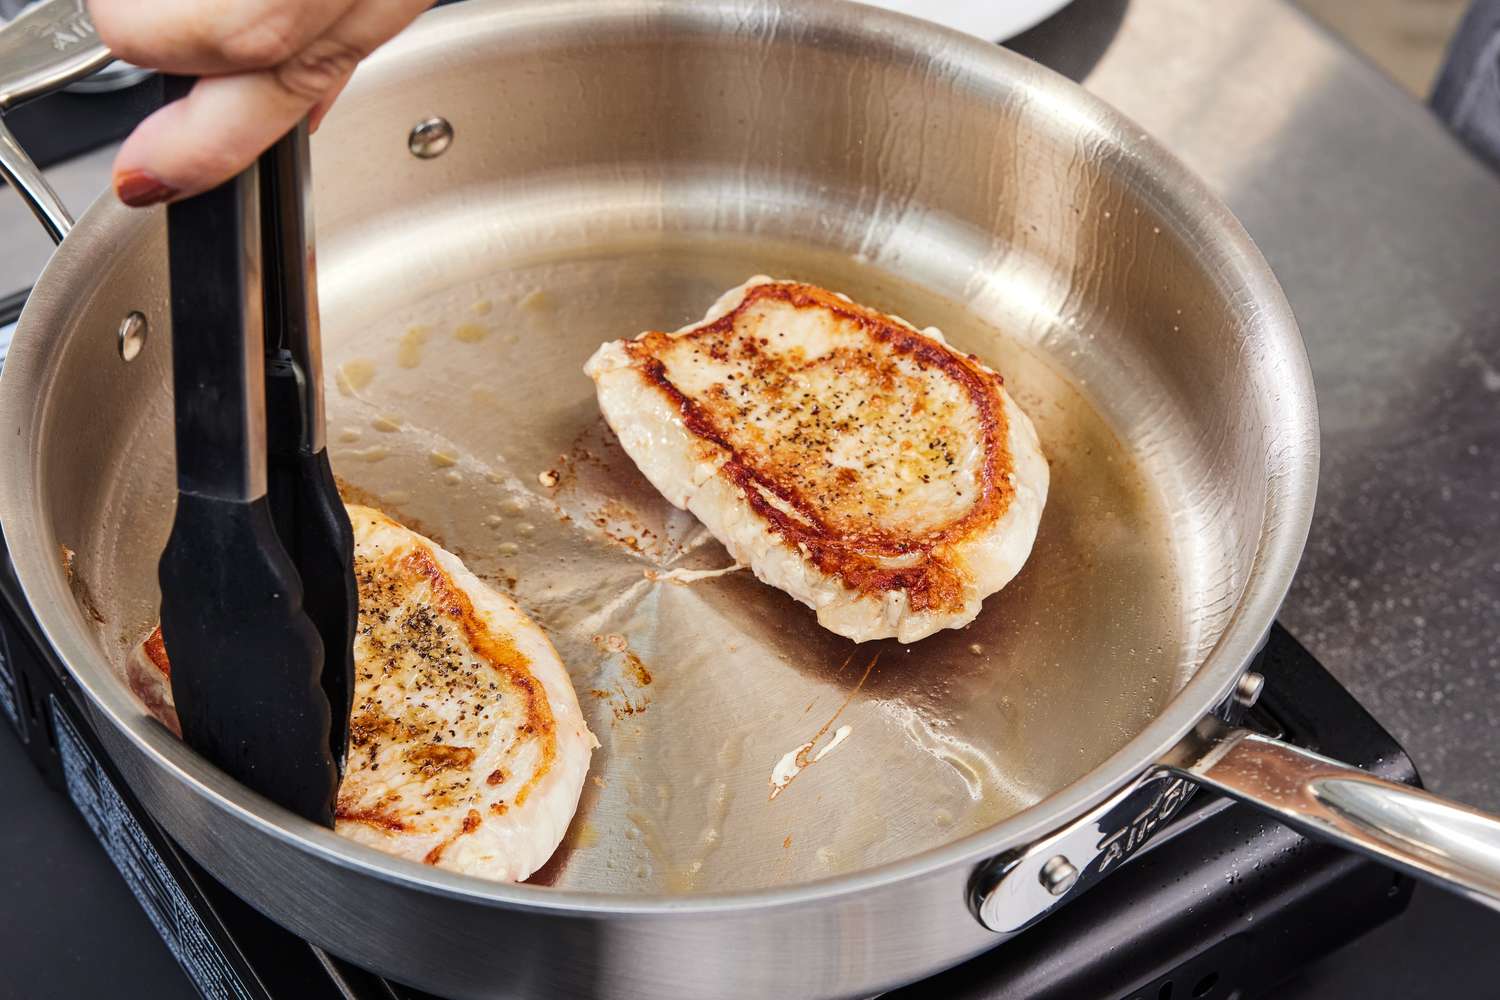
pixel 263 65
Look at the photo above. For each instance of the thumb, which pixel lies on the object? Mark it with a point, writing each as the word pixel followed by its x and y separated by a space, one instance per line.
pixel 197 143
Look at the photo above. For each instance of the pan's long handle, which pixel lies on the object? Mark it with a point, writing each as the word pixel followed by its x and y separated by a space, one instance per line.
pixel 1442 842
pixel 49 46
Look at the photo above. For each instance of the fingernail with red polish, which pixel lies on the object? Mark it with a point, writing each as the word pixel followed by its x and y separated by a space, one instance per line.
pixel 138 189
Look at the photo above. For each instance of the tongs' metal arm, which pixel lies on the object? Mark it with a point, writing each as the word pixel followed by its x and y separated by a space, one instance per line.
pixel 310 517
pixel 291 302
pixel 50 45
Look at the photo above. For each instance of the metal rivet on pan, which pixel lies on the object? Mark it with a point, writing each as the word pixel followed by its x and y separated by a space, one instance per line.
pixel 1058 875
pixel 133 330
pixel 430 137
pixel 1247 691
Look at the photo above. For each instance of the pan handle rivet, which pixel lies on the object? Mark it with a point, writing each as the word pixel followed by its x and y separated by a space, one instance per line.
pixel 430 137
pixel 1247 691
pixel 1058 875
pixel 133 330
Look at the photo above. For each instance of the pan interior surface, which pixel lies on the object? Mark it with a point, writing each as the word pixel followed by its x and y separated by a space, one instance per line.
pixel 455 411
pixel 457 316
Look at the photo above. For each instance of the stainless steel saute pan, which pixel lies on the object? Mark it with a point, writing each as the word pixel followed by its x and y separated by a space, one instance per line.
pixel 507 185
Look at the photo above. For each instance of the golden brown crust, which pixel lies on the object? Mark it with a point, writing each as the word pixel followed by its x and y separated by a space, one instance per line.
pixel 471 822
pixel 432 758
pixel 817 507
pixel 156 651
pixel 378 818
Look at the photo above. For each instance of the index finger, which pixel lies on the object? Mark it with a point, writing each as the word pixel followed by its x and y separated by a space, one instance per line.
pixel 205 37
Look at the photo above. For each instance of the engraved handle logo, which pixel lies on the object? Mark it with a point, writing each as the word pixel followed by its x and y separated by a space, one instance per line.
pixel 70 32
pixel 63 32
pixel 1119 845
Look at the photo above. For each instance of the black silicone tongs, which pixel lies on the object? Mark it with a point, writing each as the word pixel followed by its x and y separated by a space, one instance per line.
pixel 257 579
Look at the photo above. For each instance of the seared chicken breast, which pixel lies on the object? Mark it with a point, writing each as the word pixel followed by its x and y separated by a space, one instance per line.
pixel 468 749
pixel 861 465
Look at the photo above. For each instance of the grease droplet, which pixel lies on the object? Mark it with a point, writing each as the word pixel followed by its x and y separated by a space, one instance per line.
pixel 537 301
pixel 354 374
pixel 409 349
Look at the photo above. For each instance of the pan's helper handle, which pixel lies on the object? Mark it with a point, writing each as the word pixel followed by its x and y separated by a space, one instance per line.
pixel 1453 846
pixel 48 47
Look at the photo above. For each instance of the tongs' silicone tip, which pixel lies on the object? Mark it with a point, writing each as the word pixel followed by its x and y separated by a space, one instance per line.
pixel 246 660
pixel 314 528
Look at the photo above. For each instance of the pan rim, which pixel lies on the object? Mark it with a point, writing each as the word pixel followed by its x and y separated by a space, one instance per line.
pixel 1179 191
